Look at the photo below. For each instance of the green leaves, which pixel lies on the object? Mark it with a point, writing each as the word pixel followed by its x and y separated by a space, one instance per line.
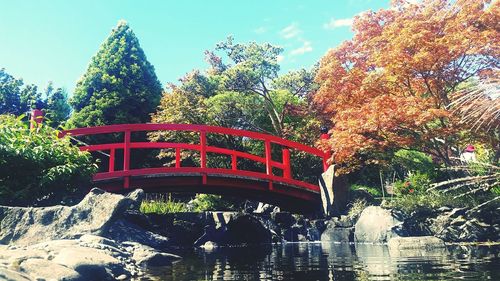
pixel 37 167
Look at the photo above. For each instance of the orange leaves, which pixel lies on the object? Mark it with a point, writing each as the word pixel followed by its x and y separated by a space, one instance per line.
pixel 390 85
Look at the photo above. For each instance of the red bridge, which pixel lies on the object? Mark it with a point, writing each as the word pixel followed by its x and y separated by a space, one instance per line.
pixel 283 189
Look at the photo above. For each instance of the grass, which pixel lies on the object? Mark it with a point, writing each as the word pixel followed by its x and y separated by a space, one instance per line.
pixel 162 204
pixel 356 207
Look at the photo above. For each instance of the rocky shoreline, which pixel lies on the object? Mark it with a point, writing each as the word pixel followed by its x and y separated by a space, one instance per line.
pixel 92 240
pixel 105 237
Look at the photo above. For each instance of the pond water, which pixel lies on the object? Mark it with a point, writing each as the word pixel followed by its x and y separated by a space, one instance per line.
pixel 328 261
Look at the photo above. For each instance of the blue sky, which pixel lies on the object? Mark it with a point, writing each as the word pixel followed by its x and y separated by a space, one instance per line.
pixel 43 41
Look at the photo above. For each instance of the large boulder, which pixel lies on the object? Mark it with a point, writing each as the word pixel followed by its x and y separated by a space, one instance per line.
pixel 93 215
pixel 237 230
pixel 338 234
pixel 376 225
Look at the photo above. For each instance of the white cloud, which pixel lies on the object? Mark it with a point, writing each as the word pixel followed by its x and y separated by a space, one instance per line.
pixel 290 31
pixel 280 58
pixel 335 23
pixel 260 30
pixel 306 47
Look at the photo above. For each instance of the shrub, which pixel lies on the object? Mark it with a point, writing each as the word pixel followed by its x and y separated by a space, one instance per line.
pixel 410 161
pixel 374 191
pixel 415 183
pixel 210 202
pixel 38 167
pixel 355 209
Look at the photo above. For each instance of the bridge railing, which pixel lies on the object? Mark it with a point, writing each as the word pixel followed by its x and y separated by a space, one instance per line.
pixel 127 145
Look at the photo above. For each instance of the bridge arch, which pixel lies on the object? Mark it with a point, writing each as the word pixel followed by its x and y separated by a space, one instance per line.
pixel 283 189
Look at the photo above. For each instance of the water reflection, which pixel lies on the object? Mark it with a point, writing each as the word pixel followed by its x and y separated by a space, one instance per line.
pixel 328 261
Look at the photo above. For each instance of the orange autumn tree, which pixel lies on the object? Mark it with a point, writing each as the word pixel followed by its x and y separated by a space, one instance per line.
pixel 389 87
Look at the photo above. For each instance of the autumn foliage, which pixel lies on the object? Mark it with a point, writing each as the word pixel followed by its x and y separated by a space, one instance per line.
pixel 390 86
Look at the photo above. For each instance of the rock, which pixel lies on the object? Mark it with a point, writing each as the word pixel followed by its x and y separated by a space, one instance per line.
pixel 12 275
pixel 344 221
pixel 247 229
pixel 93 239
pixel 90 263
pixel 338 235
pixel 284 219
pixel 375 225
pixel 88 241
pixel 421 242
pixel 457 226
pixel 48 270
pixel 93 215
pixel 122 230
pixel 266 209
pixel 136 198
pixel 147 256
pixel 209 246
pixel 241 229
pixel 294 233
pixel 422 246
pixel 221 219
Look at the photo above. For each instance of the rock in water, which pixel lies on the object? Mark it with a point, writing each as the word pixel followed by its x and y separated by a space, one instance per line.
pixel 93 215
pixel 375 225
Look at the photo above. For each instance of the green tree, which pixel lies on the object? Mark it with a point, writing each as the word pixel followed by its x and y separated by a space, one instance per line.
pixel 246 93
pixel 252 69
pixel 38 167
pixel 56 107
pixel 10 88
pixel 119 86
pixel 15 97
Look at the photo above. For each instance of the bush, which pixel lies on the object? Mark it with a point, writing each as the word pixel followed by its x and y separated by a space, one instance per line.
pixel 374 191
pixel 415 183
pixel 39 168
pixel 211 202
pixel 410 161
pixel 356 208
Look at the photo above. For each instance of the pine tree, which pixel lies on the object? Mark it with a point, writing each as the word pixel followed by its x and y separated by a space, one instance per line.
pixel 120 85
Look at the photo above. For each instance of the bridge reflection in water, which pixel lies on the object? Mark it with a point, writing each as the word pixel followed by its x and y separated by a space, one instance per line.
pixel 283 189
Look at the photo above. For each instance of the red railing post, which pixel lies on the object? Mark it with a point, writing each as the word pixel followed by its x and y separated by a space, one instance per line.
pixel 177 157
pixel 126 158
pixel 269 167
pixel 203 148
pixel 287 171
pixel 234 162
pixel 111 160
